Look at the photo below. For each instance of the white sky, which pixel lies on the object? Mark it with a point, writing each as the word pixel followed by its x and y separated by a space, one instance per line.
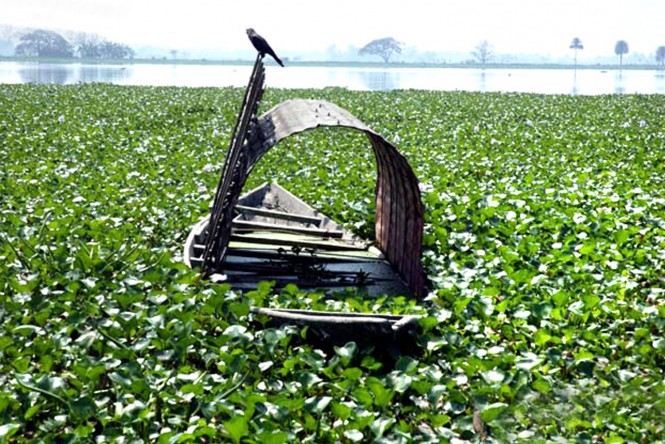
pixel 511 26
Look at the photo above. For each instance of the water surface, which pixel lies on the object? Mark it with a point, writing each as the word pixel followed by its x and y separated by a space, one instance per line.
pixel 545 81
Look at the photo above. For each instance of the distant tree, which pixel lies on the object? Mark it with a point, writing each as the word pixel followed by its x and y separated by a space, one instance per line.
pixel 384 48
pixel 660 56
pixel 91 49
pixel 41 43
pixel 87 45
pixel 483 53
pixel 111 50
pixel 620 49
pixel 575 46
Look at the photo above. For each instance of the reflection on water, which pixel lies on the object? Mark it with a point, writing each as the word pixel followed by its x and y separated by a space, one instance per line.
pixel 660 81
pixel 102 74
pixel 483 81
pixel 545 81
pixel 618 83
pixel 32 74
pixel 70 73
pixel 375 80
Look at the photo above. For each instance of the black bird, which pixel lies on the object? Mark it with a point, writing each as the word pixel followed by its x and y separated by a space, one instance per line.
pixel 262 46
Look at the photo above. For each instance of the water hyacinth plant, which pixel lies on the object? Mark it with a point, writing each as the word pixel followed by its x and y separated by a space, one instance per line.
pixel 544 245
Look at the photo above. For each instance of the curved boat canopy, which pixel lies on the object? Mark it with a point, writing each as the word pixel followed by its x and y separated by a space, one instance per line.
pixel 399 210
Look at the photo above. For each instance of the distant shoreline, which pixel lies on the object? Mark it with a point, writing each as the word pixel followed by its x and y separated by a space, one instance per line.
pixel 329 64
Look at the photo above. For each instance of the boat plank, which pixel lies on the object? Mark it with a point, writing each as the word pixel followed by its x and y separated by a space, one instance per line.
pixel 357 257
pixel 280 215
pixel 314 243
pixel 245 225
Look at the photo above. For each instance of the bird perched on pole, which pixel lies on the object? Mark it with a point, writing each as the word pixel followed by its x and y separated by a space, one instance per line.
pixel 262 45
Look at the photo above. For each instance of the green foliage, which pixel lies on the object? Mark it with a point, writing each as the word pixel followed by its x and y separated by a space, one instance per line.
pixel 544 244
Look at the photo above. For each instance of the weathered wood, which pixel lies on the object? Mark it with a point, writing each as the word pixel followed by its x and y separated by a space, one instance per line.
pixel 307 265
pixel 273 197
pixel 312 220
pixel 249 226
pixel 390 335
pixel 395 181
pixel 399 211
pixel 392 322
pixel 328 257
pixel 234 174
pixel 398 319
pixel 296 242
pixel 270 234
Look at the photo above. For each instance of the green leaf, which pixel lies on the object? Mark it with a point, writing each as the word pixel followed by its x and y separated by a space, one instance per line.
pixel 120 379
pixel 26 330
pixel 428 322
pixel 542 385
pixel 380 425
pixel 590 300
pixel 583 355
pixel 401 382
pixel 273 437
pixel 528 361
pixel 494 377
pixel 363 396
pixel 84 408
pixel 8 430
pixel 406 364
pixel 347 352
pixel 588 248
pixel 614 439
pixel 239 332
pixel 491 412
pixel 353 373
pixel 317 404
pixel 237 428
pixel 541 337
pixel 341 410
pixel 22 365
pixel 354 435
pixel 382 394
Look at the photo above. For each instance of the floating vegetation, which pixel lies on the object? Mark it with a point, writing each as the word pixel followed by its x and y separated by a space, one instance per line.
pixel 544 244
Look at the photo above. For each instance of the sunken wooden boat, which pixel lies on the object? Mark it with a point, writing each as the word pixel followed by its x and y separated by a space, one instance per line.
pixel 277 237
pixel 268 234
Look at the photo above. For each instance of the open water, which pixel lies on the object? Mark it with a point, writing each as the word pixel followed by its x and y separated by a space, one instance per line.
pixel 546 81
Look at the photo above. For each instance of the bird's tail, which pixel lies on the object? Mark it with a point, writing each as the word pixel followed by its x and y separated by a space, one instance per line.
pixel 278 60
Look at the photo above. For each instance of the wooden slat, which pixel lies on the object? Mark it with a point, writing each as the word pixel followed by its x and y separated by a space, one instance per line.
pixel 246 225
pixel 234 173
pixel 282 280
pixel 346 257
pixel 318 245
pixel 333 314
pixel 340 318
pixel 279 215
pixel 283 269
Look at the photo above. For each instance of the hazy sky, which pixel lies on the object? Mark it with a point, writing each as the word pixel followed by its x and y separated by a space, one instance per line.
pixel 511 26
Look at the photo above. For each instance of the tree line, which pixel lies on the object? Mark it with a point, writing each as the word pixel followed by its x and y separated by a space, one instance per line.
pixel 620 49
pixel 386 48
pixel 43 43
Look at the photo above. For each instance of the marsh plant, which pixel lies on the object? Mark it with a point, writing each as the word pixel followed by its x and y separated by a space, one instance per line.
pixel 544 246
